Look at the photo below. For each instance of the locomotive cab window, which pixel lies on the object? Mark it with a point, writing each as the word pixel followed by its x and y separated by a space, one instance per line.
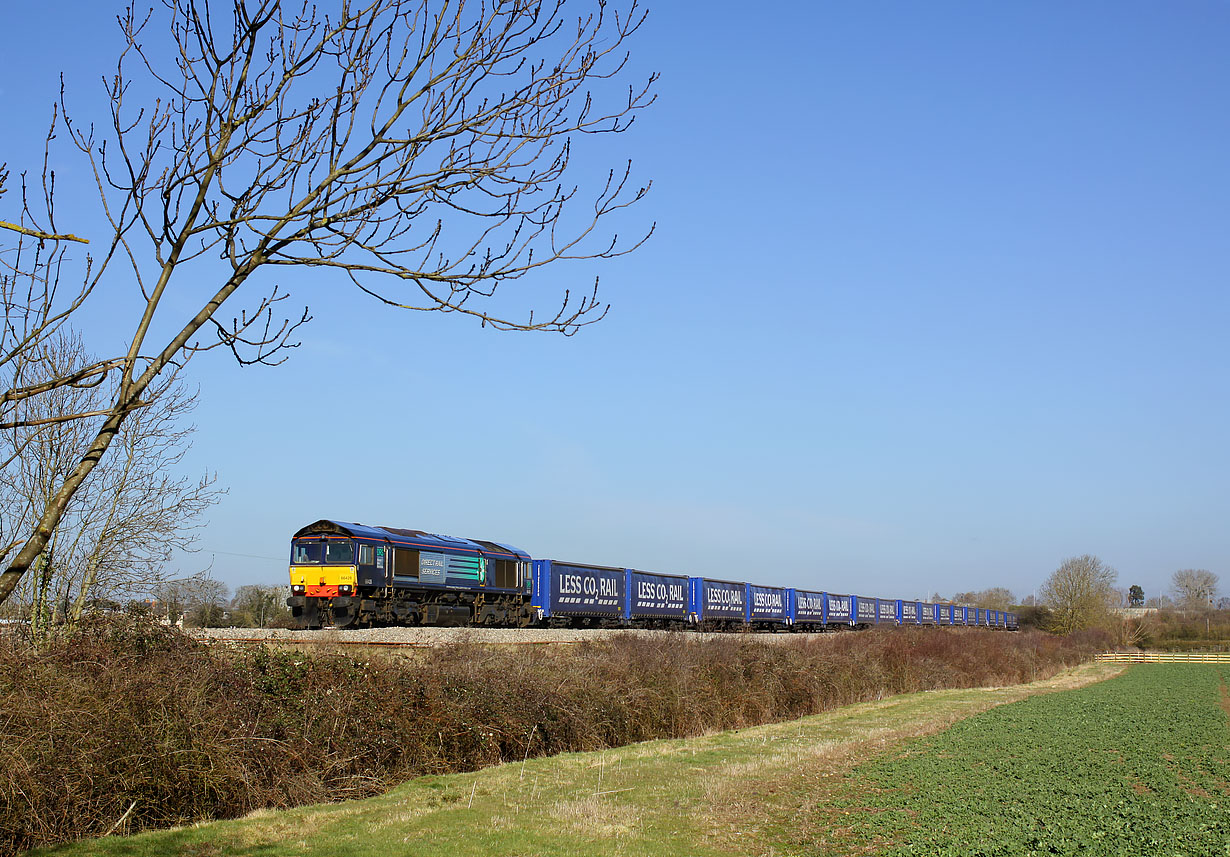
pixel 365 555
pixel 339 550
pixel 305 553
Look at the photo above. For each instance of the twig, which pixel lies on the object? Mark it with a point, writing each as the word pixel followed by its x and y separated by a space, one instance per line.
pixel 34 233
pixel 528 742
pixel 123 818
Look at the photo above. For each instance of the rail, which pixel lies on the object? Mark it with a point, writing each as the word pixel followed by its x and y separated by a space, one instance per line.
pixel 1164 657
pixel 375 644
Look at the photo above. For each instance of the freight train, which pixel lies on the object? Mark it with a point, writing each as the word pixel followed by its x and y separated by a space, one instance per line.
pixel 350 575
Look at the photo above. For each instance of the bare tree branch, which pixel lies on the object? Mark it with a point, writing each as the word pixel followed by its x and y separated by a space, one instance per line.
pixel 42 236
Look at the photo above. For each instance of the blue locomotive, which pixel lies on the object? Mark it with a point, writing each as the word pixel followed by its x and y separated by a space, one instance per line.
pixel 346 575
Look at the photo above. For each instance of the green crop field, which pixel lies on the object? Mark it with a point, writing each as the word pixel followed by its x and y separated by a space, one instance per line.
pixel 1136 765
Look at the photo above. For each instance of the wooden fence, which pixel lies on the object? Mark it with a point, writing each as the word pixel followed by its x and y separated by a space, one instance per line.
pixel 1164 657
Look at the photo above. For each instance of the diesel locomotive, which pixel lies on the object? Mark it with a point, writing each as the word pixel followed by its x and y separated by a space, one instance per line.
pixel 350 575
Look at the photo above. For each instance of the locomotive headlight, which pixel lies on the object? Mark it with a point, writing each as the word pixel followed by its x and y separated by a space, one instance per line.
pixel 343 589
pixel 296 590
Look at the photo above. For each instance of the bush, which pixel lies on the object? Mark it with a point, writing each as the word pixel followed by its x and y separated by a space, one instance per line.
pixel 129 720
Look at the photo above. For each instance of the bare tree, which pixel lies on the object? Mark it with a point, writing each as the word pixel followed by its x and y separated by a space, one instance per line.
pixel 258 605
pixel 199 600
pixel 1194 588
pixel 119 530
pixel 419 149
pixel 207 602
pixel 1080 594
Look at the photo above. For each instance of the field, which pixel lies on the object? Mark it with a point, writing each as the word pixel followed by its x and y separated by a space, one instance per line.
pixel 1133 765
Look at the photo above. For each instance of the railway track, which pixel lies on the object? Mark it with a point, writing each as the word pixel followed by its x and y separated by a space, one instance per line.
pixel 421 637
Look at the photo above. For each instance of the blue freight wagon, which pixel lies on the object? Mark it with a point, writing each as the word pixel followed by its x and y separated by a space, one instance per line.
pixel 767 606
pixel 907 613
pixel 808 609
pixel 865 610
pixel 575 591
pixel 928 614
pixel 886 611
pixel 717 602
pixel 838 610
pixel 663 597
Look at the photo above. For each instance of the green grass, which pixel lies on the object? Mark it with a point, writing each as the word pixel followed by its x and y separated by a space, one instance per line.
pixel 1138 765
pixel 701 797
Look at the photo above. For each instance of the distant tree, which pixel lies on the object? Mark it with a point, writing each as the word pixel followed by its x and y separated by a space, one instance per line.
pixel 1194 588
pixel 995 598
pixel 1136 596
pixel 1223 603
pixel 208 600
pixel 422 151
pixel 1080 594
pixel 257 606
pixel 1160 602
pixel 171 600
pixel 199 600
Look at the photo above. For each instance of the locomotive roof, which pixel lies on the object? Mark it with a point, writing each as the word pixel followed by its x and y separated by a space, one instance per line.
pixel 418 537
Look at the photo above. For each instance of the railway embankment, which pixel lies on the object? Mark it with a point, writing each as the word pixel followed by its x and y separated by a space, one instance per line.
pixel 127 727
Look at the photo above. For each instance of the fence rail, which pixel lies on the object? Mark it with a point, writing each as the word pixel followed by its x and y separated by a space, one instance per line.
pixel 1164 657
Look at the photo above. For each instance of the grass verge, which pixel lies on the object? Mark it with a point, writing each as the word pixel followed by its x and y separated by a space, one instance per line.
pixel 715 795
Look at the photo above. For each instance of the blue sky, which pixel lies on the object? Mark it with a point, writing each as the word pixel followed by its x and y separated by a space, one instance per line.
pixel 937 298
